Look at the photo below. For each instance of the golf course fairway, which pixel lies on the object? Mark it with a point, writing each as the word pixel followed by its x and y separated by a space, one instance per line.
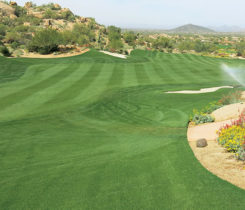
pixel 99 132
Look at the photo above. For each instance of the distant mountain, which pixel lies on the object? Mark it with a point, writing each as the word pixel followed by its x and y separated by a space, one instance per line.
pixel 226 28
pixel 193 29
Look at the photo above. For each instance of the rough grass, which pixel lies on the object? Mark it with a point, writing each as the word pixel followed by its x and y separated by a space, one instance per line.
pixel 98 132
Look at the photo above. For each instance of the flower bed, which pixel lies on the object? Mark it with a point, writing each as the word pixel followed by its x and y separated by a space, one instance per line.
pixel 204 115
pixel 232 137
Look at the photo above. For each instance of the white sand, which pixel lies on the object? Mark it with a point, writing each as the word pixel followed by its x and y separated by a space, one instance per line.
pixel 114 54
pixel 204 90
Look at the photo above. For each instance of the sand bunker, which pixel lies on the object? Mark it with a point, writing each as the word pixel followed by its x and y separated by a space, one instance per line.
pixel 204 90
pixel 63 55
pixel 214 157
pixel 114 54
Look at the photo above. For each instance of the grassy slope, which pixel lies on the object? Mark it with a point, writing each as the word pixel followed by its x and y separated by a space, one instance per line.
pixel 97 132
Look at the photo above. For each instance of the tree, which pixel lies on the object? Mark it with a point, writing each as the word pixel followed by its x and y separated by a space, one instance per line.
pixel 83 30
pixel 2 30
pixel 162 42
pixel 45 41
pixel 130 38
pixel 4 51
pixel 186 45
pixel 114 36
pixel 240 48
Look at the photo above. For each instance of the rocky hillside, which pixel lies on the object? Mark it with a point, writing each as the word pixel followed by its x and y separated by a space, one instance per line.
pixel 18 26
pixel 191 29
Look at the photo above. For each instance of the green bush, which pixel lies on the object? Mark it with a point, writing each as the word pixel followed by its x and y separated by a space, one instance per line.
pixel 234 97
pixel 45 41
pixel 200 118
pixel 4 51
pixel 50 14
pixel 240 155
pixel 20 11
pixel 2 30
pixel 15 45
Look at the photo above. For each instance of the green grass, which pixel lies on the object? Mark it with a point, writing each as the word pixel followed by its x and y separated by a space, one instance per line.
pixel 98 132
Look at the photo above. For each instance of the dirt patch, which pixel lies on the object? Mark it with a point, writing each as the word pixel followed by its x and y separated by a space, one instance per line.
pixel 204 90
pixel 221 163
pixel 228 112
pixel 63 55
pixel 207 131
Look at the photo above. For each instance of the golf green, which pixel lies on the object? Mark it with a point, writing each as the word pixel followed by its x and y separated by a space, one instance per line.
pixel 98 132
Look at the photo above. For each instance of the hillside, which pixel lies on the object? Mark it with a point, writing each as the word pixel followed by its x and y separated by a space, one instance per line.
pixel 50 28
pixel 193 29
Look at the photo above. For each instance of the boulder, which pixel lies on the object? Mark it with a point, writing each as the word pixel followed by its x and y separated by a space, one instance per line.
pixel 28 5
pixel 12 3
pixel 201 143
pixel 57 6
pixel 12 16
pixel 65 10
pixel 27 24
pixel 47 22
pixel 6 9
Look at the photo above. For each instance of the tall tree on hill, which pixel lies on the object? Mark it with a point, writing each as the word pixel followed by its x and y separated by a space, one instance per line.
pixel 114 36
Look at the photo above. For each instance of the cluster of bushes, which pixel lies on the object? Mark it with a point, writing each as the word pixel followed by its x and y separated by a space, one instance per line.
pixel 203 116
pixel 197 46
pixel 45 41
pixel 52 14
pixel 114 36
pixel 232 137
pixel 4 51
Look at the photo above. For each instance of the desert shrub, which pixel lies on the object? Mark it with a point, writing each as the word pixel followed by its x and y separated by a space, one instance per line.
pixel 82 35
pixel 15 45
pixel 49 13
pixel 12 36
pixel 240 155
pixel 130 38
pixel 20 11
pixel 203 116
pixel 2 30
pixel 21 28
pixel 67 15
pixel 200 117
pixel 114 36
pixel 234 97
pixel 4 51
pixel 45 41
pixel 212 107
pixel 83 40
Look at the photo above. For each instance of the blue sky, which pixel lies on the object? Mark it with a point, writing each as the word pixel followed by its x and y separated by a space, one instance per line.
pixel 157 13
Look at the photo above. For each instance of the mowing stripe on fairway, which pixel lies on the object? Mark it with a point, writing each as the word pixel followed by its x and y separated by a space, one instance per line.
pixel 79 86
pixel 34 102
pixel 130 76
pixel 28 91
pixel 141 75
pixel 117 76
